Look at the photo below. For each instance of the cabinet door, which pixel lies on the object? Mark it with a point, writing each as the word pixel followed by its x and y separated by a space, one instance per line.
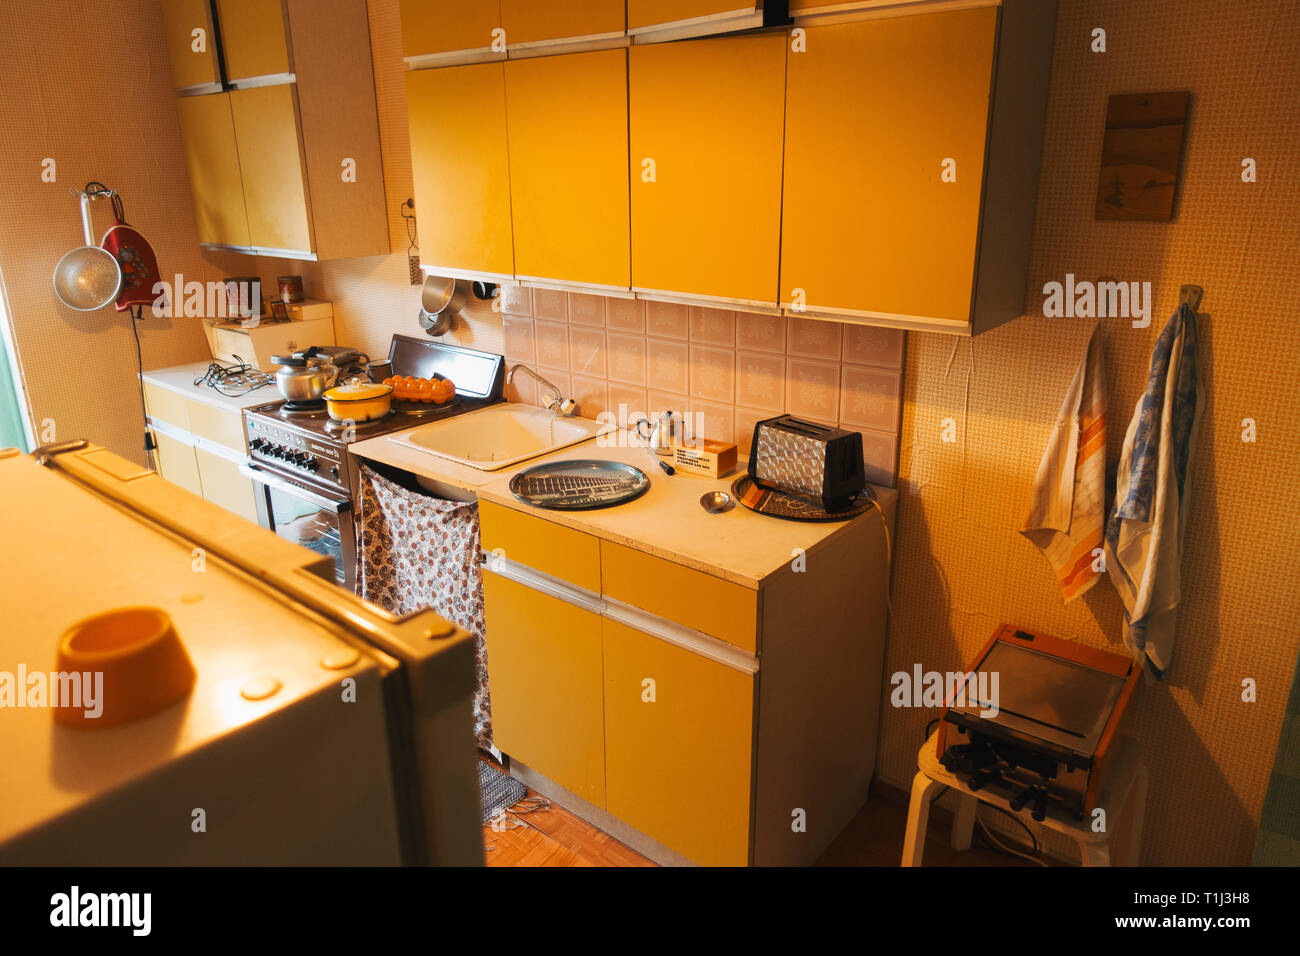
pixel 212 158
pixel 174 460
pixel 642 14
pixel 270 160
pixel 678 767
pixel 224 485
pixel 568 166
pixel 457 118
pixel 705 131
pixel 874 111
pixel 544 677
pixel 541 21
pixel 253 38
pixel 432 27
pixel 191 44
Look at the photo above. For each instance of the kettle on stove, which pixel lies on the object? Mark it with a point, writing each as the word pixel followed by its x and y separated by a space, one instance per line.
pixel 305 375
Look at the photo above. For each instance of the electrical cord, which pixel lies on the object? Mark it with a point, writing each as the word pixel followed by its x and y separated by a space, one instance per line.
pixel 234 381
pixel 997 844
pixel 889 553
pixel 137 316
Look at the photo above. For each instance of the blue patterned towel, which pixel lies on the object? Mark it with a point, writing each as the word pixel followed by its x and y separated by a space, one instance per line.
pixel 1144 533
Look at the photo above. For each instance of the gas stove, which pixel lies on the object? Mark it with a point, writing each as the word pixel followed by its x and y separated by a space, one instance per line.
pixel 300 441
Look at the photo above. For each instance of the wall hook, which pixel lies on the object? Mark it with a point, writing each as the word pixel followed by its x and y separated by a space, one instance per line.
pixel 1190 296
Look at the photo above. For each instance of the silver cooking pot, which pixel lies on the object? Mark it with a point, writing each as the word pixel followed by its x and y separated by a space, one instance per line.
pixel 304 379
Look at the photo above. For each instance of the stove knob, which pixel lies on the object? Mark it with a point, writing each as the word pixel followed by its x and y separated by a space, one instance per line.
pixel 334 471
pixel 310 464
pixel 257 444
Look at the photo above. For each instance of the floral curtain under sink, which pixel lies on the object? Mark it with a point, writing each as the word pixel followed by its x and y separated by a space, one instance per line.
pixel 421 552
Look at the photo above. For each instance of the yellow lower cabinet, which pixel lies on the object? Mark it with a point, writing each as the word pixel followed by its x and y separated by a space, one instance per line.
pixel 174 461
pixel 544 675
pixel 225 485
pixel 678 745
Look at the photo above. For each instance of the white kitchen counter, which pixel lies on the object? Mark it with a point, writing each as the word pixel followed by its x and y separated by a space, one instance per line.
pixel 666 521
pixel 180 379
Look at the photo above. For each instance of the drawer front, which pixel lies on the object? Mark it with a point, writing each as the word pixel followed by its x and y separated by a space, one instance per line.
pixel 544 674
pixel 691 598
pixel 167 406
pixel 677 761
pixel 218 425
pixel 541 545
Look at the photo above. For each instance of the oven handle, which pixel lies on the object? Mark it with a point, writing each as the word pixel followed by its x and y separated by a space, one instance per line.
pixel 297 491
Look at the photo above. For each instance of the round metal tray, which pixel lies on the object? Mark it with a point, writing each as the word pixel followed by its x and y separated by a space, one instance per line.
pixel 579 484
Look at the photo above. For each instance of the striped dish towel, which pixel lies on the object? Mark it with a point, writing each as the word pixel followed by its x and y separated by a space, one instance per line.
pixel 1068 513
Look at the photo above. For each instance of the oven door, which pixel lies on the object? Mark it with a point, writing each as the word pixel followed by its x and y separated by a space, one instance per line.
pixel 318 520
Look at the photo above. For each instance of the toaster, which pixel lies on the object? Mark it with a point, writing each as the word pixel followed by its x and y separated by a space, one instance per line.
pixel 802 458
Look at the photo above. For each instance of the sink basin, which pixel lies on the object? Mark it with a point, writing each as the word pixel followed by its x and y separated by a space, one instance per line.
pixel 499 435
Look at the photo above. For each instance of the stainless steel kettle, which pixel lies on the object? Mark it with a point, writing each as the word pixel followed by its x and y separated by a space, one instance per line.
pixel 304 378
pixel 662 433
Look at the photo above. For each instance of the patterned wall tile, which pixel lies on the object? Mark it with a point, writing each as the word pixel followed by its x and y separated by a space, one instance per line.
pixel 586 309
pixel 813 389
pixel 668 366
pixel 549 304
pixel 760 380
pixel 713 374
pixel 625 315
pixel 713 326
pixel 552 343
pixel 587 352
pixel 667 320
pixel 760 333
pixel 627 358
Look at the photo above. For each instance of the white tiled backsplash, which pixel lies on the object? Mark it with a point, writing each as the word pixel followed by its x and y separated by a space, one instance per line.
pixel 725 370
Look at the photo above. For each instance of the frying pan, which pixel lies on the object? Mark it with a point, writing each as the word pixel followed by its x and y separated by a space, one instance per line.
pixel 87 278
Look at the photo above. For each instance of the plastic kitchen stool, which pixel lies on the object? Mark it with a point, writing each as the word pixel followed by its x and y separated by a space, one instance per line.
pixel 1124 798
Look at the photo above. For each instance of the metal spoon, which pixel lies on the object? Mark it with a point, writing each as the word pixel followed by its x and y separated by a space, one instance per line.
pixel 715 502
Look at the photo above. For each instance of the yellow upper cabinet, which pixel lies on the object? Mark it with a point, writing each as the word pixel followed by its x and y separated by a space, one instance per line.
pixel 212 158
pixel 534 22
pixel 441 27
pixel 885 134
pixel 191 44
pixel 271 161
pixel 568 166
pixel 705 164
pixel 254 38
pixel 457 118
pixel 655 14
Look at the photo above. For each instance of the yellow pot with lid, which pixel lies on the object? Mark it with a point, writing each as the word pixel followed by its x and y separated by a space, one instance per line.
pixel 359 401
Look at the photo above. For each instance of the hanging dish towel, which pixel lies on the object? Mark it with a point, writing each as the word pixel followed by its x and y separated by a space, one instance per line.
pixel 421 552
pixel 1068 513
pixel 1144 535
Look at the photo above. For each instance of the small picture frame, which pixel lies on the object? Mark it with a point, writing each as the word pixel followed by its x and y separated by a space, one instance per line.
pixel 279 311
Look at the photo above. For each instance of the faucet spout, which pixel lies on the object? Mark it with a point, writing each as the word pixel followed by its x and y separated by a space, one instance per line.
pixel 559 405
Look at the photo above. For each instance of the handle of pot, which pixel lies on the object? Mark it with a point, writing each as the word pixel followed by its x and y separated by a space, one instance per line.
pixel 85 219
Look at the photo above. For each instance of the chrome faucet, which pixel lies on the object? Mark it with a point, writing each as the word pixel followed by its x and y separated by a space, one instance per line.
pixel 559 405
